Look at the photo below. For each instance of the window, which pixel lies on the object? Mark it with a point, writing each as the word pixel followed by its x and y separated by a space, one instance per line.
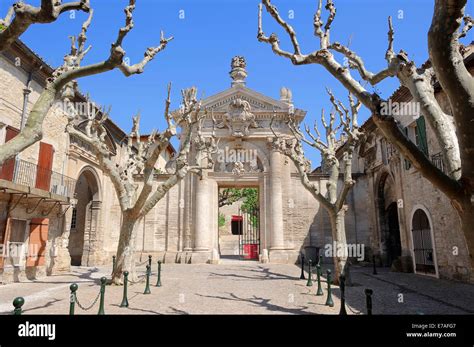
pixel 74 219
pixel 420 135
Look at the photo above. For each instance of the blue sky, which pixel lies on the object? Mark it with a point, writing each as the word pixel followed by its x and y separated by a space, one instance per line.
pixel 211 33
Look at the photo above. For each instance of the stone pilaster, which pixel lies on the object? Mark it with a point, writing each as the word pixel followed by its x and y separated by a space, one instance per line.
pixel 201 215
pixel 276 201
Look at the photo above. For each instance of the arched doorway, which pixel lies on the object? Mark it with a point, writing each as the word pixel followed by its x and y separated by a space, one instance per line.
pixel 84 218
pixel 423 243
pixel 394 246
pixel 388 220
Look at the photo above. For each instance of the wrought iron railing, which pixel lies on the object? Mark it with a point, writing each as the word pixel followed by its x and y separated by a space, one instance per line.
pixel 28 174
pixel 437 160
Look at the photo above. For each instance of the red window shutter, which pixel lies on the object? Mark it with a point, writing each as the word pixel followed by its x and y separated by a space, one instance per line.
pixel 37 242
pixel 45 164
pixel 8 168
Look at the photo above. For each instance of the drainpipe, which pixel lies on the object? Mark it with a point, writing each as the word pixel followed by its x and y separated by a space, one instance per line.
pixel 26 96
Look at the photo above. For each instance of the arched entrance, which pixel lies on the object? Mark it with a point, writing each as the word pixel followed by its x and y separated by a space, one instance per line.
pixel 84 218
pixel 388 220
pixel 423 243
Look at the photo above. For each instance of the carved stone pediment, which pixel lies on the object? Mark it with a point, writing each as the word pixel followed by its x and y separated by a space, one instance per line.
pixel 257 101
pixel 238 118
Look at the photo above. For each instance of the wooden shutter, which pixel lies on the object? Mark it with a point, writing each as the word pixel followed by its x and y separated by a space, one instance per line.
pixel 8 168
pixel 37 242
pixel 45 164
pixel 421 132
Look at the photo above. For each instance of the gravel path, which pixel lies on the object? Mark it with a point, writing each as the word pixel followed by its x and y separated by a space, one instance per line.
pixel 237 287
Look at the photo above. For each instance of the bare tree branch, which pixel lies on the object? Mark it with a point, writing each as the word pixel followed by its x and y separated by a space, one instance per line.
pixel 63 83
pixel 416 80
pixel 20 16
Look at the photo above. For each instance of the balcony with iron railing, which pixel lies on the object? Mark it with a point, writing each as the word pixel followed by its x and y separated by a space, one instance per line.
pixel 26 174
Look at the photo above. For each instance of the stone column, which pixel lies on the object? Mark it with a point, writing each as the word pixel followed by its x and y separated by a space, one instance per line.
pixel 201 214
pixel 276 201
pixel 92 236
pixel 187 230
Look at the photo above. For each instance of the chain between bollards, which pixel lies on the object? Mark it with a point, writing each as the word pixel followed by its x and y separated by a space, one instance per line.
pixel 147 287
pixel 158 282
pixel 18 303
pixel 302 277
pixel 103 282
pixel 368 300
pixel 310 277
pixel 72 299
pixel 342 287
pixel 329 301
pixel 125 285
pixel 318 274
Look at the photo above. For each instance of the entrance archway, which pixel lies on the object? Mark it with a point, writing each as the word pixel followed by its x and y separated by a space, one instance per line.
pixel 424 255
pixel 388 219
pixel 84 218
pixel 239 223
pixel 394 246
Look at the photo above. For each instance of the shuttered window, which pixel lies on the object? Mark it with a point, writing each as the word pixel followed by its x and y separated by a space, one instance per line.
pixel 421 140
pixel 45 164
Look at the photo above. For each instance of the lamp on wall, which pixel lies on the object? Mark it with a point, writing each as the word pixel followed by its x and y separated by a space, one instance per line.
pixel 72 203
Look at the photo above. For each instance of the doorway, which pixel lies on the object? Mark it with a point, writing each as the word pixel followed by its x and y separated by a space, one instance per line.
pixel 239 223
pixel 423 243
pixel 84 219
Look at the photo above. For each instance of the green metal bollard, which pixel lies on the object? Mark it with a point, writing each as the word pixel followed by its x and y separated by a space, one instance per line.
pixel 72 299
pixel 302 267
pixel 342 286
pixel 368 300
pixel 18 303
pixel 310 277
pixel 329 301
pixel 158 282
pixel 318 273
pixel 103 282
pixel 125 285
pixel 113 263
pixel 149 260
pixel 147 287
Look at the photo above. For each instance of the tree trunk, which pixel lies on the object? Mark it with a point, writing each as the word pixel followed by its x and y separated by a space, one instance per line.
pixel 339 240
pixel 125 260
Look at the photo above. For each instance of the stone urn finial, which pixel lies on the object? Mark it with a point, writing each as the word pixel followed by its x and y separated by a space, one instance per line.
pixel 238 72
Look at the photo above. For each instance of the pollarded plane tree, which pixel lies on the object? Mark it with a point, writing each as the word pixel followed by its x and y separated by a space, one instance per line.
pixel 20 16
pixel 342 125
pixel 135 177
pixel 454 131
pixel 62 85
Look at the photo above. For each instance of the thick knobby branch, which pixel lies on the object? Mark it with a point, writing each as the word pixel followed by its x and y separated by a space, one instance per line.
pixel 20 16
pixel 454 77
pixel 398 65
pixel 292 148
pixel 62 83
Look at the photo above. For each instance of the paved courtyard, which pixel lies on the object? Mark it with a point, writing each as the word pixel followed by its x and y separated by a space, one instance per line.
pixel 237 287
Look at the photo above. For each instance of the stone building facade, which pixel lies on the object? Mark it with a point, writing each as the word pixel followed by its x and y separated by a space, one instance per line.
pixel 82 227
pixel 413 226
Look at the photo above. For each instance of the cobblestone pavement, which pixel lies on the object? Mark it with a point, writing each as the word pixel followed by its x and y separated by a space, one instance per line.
pixel 242 288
